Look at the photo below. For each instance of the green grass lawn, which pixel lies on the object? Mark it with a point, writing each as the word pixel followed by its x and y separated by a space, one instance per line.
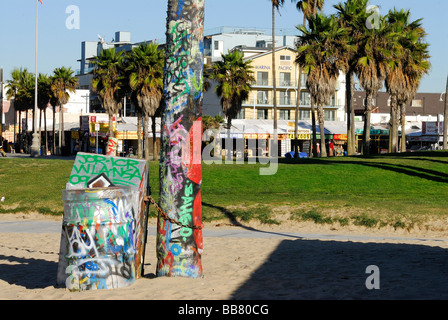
pixel 397 190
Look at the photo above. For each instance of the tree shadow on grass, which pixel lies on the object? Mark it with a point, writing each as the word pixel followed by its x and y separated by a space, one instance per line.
pixel 28 272
pixel 414 171
pixel 314 269
pixel 430 160
pixel 233 221
pixel 423 173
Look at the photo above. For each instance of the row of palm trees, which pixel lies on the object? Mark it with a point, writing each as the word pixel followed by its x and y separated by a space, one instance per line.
pixel 137 74
pixel 392 52
pixel 52 91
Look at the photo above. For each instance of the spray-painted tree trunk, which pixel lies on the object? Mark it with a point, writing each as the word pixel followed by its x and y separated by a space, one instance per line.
pixel 179 245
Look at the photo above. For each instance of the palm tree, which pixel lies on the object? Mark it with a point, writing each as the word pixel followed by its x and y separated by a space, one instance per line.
pixel 12 88
pixel 276 4
pixel 353 16
pixel 373 58
pixel 406 69
pixel 109 82
pixel 309 8
pixel 318 49
pixel 21 88
pixel 145 67
pixel 63 82
pixel 44 96
pixel 234 76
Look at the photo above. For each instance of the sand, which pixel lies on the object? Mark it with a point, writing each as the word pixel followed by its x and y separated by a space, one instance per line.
pixel 415 266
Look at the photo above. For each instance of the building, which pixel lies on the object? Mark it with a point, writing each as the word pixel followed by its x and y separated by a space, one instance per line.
pixel 260 103
pixel 423 112
pixel 424 107
pixel 221 40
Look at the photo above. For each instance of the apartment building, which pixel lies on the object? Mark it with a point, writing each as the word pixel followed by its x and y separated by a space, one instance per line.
pixel 423 107
pixel 260 103
pixel 221 40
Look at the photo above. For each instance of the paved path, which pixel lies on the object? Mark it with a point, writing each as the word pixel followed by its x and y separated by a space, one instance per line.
pixel 37 226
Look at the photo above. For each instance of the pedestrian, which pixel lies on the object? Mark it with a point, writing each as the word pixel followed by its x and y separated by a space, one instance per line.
pixel 331 147
pixel 2 151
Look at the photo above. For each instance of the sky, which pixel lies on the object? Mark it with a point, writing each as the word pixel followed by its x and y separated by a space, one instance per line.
pixel 60 35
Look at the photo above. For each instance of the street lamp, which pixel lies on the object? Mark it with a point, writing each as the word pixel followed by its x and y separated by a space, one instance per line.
pixel 35 144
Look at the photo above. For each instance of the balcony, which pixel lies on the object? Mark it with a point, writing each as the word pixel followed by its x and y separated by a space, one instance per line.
pixel 281 84
pixel 283 102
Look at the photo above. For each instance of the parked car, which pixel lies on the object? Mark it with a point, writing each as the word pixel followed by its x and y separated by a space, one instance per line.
pixel 416 148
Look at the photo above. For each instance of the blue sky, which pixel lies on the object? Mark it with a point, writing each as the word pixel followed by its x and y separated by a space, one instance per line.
pixel 145 19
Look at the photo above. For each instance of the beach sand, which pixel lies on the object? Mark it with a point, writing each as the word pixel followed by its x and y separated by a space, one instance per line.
pixel 278 268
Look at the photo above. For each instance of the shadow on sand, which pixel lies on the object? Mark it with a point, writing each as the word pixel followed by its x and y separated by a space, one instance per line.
pixel 28 272
pixel 313 269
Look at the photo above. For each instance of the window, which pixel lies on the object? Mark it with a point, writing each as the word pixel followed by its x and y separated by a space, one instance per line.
pixel 285 114
pixel 305 99
pixel 303 78
pixel 241 114
pixel 262 78
pixel 261 44
pixel 333 100
pixel 304 115
pixel 285 58
pixel 373 102
pixel 262 114
pixel 262 97
pixel 284 98
pixel 216 44
pixel 329 115
pixel 417 103
pixel 285 79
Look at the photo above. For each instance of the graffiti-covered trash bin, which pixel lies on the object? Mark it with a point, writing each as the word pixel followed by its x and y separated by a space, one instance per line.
pixel 97 249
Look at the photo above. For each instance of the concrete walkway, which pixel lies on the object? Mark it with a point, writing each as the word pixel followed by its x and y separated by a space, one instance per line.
pixel 39 227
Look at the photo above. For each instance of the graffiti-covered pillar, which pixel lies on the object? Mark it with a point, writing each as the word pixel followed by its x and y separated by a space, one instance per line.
pixel 179 238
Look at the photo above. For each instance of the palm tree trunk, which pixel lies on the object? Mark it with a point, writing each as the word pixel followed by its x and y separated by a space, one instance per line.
pixel 299 90
pixel 367 114
pixel 40 129
pixel 179 244
pixel 61 129
pixel 54 132
pixel 296 119
pixel 15 122
pixel 403 127
pixel 313 126
pixel 26 132
pixel 396 127
pixel 46 132
pixel 349 91
pixel 146 137
pixel 321 116
pixel 445 119
pixel 154 138
pixel 229 142
pixel 274 146
pixel 139 135
pixel 393 133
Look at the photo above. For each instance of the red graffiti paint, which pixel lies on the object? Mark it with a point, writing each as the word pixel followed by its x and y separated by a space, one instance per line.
pixel 194 165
